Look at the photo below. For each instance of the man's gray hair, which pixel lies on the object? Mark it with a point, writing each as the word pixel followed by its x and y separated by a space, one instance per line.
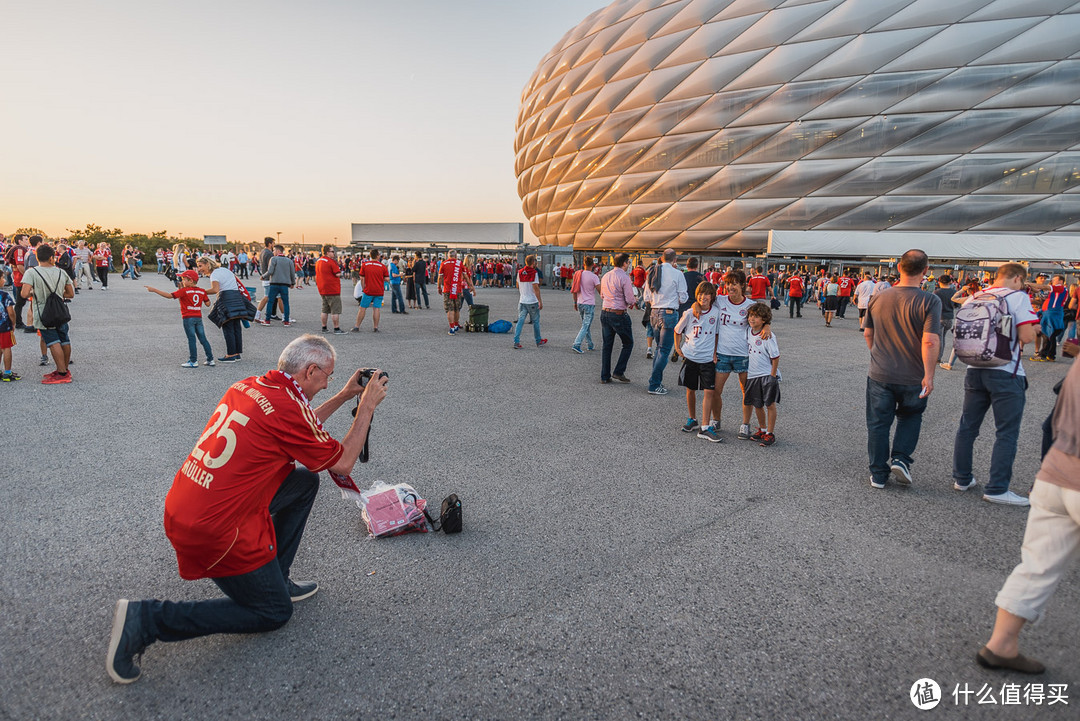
pixel 306 350
pixel 669 255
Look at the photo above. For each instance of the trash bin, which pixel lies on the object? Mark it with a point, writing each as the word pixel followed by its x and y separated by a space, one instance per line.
pixel 478 315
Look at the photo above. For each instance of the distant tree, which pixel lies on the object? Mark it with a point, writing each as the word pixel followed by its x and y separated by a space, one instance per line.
pixel 32 231
pixel 95 234
pixel 148 244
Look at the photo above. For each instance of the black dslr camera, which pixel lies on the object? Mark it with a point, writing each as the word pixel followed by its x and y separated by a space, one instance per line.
pixel 366 374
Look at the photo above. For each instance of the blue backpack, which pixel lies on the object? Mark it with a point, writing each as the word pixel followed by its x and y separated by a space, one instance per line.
pixel 500 326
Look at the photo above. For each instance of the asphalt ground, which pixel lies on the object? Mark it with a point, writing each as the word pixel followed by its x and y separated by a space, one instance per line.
pixel 611 566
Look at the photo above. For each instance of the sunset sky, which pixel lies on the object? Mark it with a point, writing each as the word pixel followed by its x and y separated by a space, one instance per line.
pixel 248 117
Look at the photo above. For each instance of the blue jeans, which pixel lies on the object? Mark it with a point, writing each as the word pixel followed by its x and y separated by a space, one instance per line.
pixel 421 288
pixel 884 403
pixel 612 324
pixel 986 388
pixel 586 312
pixel 258 600
pixel 397 303
pixel 193 327
pixel 663 321
pixel 272 294
pixel 532 310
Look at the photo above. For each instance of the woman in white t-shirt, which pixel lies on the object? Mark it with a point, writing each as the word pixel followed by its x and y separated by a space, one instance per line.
pixel 832 299
pixel 231 308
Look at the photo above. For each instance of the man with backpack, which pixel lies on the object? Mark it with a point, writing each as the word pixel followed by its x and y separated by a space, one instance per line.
pixel 39 284
pixel 990 332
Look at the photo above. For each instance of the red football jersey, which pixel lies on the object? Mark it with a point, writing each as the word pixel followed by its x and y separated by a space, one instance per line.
pixel 327 276
pixel 375 275
pixel 795 286
pixel 452 277
pixel 217 513
pixel 18 257
pixel 759 286
pixel 192 300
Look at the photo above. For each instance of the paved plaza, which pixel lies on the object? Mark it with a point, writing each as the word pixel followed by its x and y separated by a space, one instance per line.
pixel 611 567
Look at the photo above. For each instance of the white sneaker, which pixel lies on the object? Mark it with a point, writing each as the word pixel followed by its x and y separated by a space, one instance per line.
pixel 744 432
pixel 1007 498
pixel 970 484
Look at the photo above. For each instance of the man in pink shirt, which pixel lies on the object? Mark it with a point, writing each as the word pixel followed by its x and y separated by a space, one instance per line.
pixel 584 290
pixel 617 290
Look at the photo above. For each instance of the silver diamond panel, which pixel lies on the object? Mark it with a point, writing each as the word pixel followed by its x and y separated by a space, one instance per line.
pixel 703 124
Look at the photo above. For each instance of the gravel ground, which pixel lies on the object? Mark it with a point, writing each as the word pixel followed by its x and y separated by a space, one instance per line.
pixel 611 567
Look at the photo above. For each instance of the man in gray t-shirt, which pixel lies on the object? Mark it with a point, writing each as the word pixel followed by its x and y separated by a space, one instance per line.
pixel 264 265
pixel 901 329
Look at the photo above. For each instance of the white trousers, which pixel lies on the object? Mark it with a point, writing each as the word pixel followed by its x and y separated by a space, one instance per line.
pixel 82 269
pixel 1051 546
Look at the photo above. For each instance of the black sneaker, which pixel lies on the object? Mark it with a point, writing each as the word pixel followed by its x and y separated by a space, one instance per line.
pixel 690 426
pixel 302 590
pixel 900 472
pixel 125 643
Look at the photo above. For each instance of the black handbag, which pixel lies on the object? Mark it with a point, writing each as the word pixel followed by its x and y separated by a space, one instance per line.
pixel 449 515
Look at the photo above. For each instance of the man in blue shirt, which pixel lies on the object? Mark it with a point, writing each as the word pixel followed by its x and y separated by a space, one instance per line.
pixel 397 302
pixel 665 291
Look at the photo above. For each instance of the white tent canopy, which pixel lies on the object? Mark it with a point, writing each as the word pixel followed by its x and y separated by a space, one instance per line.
pixel 825 244
pixel 470 235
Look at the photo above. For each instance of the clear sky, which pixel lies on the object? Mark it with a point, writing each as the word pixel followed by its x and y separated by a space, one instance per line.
pixel 248 117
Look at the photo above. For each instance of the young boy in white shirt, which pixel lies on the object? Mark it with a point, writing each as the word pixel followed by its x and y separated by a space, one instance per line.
pixel 695 337
pixel 763 377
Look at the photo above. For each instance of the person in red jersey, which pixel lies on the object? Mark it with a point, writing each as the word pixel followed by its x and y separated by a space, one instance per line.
pixel 328 283
pixel 759 285
pixel 846 286
pixel 192 298
pixel 373 275
pixel 239 503
pixel 102 261
pixel 16 257
pixel 637 275
pixel 453 279
pixel 796 291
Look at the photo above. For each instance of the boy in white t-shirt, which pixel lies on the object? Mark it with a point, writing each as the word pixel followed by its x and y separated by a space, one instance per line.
pixel 695 337
pixel 763 377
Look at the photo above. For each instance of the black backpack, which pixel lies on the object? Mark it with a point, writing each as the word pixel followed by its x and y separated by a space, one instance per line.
pixel 54 312
pixel 449 516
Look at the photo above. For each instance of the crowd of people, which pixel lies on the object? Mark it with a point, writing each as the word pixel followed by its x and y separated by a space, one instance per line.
pixel 717 323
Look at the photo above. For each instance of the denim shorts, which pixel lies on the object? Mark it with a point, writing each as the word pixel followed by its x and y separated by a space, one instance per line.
pixel 366 301
pixel 732 363
pixel 52 336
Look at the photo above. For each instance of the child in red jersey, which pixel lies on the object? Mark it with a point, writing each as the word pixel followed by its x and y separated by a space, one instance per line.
pixel 192 298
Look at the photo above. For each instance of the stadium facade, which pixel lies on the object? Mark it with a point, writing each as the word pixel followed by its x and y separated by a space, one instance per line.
pixel 704 124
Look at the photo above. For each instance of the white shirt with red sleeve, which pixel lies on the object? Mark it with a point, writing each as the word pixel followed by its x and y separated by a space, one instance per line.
pixel 217 513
